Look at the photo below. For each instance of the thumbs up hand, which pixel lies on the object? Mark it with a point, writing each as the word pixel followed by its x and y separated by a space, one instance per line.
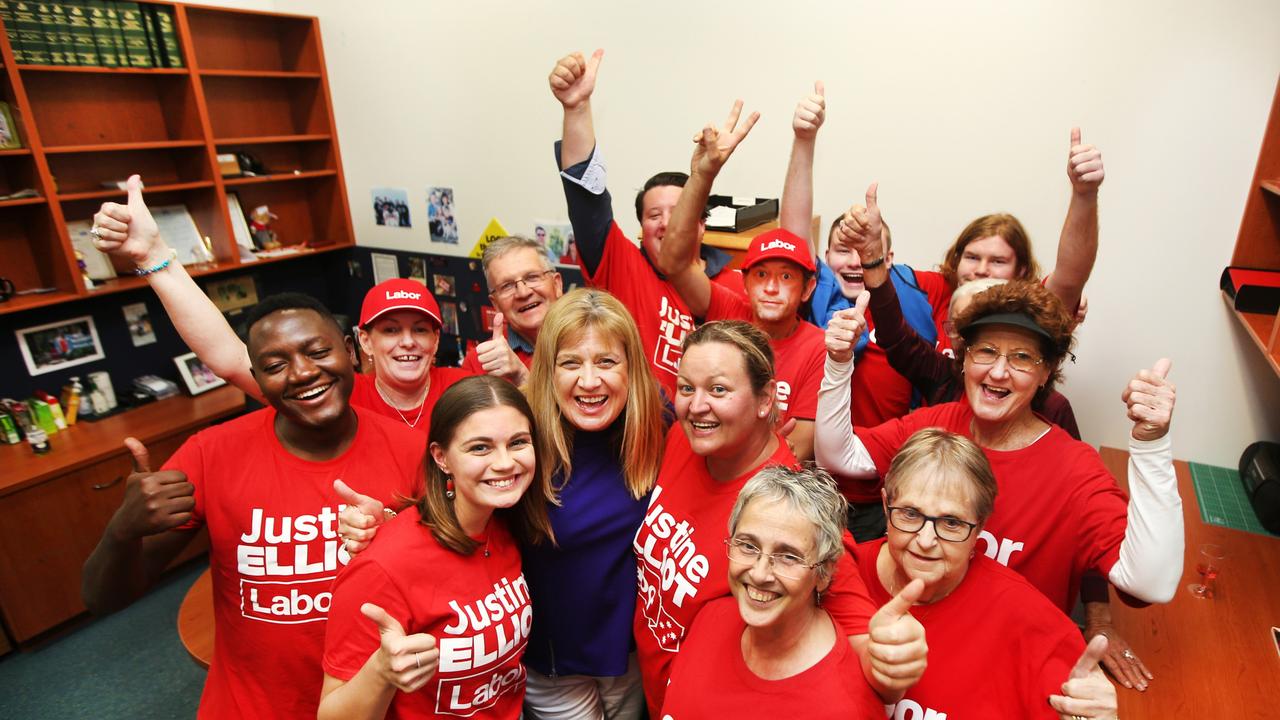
pixel 573 79
pixel 1150 398
pixel 405 661
pixel 845 328
pixel 1087 693
pixel 811 112
pixel 359 520
pixel 897 648
pixel 861 227
pixel 1084 165
pixel 129 230
pixel 496 356
pixel 153 501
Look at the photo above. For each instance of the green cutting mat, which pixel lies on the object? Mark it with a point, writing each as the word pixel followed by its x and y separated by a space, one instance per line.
pixel 1222 499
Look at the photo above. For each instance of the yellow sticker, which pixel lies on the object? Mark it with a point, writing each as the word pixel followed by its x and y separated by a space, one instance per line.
pixel 492 231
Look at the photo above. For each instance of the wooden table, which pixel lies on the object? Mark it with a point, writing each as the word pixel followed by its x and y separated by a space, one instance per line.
pixel 195 620
pixel 1211 658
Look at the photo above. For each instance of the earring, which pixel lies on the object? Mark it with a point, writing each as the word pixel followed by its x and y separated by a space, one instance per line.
pixel 448 487
pixel 817 597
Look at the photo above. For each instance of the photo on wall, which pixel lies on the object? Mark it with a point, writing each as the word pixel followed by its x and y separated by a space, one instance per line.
pixel 443 285
pixel 556 240
pixel 59 345
pixel 196 375
pixel 418 269
pixel 391 207
pixel 138 320
pixel 440 220
pixel 233 294
pixel 448 318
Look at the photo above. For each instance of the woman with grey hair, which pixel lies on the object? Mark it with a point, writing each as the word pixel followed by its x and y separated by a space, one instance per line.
pixel 770 647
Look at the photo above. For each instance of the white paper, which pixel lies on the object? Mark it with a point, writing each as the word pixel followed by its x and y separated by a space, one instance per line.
pixel 180 232
pixel 385 267
pixel 96 263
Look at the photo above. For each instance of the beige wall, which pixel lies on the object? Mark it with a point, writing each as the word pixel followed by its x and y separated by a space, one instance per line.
pixel 958 109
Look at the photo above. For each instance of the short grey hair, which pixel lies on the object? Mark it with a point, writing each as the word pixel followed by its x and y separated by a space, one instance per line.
pixel 809 491
pixel 503 245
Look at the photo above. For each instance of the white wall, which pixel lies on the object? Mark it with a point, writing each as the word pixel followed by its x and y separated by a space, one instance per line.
pixel 958 109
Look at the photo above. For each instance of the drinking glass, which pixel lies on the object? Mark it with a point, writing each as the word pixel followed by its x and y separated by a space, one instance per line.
pixel 1209 566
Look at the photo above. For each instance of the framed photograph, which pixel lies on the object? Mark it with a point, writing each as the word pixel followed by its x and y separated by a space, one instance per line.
pixel 59 345
pixel 198 377
pixel 444 285
pixel 418 269
pixel 233 293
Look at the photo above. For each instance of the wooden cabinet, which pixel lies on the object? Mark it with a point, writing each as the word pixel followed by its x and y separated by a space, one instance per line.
pixel 1258 244
pixel 54 507
pixel 252 82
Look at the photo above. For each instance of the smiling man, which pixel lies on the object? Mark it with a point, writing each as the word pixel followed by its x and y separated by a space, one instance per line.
pixel 263 485
pixel 522 286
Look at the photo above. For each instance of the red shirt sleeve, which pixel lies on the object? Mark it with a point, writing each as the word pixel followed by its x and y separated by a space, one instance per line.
pixel 727 305
pixel 847 599
pixel 1103 515
pixel 350 637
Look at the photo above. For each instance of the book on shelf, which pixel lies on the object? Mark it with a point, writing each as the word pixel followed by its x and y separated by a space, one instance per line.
pixel 11 29
pixel 30 32
pixel 240 228
pixel 104 33
pixel 57 35
pixel 134 31
pixel 165 35
pixel 84 46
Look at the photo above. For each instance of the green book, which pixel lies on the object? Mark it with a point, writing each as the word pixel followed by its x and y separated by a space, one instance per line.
pixel 11 29
pixel 30 32
pixel 165 35
pixel 53 24
pixel 134 31
pixel 104 35
pixel 82 39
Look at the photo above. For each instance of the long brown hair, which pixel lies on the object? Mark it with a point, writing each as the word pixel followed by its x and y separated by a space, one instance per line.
pixel 1009 229
pixel 642 434
pixel 528 519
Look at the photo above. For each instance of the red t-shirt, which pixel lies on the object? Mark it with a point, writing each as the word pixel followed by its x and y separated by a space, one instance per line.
pixel 797 358
pixel 997 647
pixel 472 363
pixel 476 606
pixel 274 551
pixel 710 678
pixel 662 317
pixel 365 395
pixel 683 564
pixel 1058 512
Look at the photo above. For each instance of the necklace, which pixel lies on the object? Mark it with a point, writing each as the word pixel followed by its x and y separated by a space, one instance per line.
pixel 422 404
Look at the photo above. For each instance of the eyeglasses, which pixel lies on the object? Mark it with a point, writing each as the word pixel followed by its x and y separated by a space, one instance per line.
pixel 1020 360
pixel 783 565
pixel 530 280
pixel 951 529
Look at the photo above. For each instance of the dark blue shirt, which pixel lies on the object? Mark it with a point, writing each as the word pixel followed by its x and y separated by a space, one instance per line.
pixel 584 589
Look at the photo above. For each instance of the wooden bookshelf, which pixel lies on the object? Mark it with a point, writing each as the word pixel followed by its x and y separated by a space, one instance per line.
pixel 252 82
pixel 1258 244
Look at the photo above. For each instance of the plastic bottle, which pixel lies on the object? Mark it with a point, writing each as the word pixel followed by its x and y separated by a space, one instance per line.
pixel 71 393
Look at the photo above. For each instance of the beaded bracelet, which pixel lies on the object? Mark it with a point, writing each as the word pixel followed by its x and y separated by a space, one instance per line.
pixel 143 272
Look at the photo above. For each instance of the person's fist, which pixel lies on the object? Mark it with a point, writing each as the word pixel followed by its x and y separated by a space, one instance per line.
pixel 1084 165
pixel 359 520
pixel 1087 693
pixel 897 645
pixel 404 661
pixel 810 113
pixel 153 501
pixel 845 328
pixel 129 230
pixel 1149 398
pixel 862 227
pixel 573 79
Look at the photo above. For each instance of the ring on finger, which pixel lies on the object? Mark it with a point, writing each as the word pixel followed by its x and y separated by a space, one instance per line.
pixel 94 231
pixel 417 657
pixel 1128 655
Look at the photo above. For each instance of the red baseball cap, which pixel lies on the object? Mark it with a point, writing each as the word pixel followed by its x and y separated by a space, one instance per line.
pixel 779 244
pixel 398 294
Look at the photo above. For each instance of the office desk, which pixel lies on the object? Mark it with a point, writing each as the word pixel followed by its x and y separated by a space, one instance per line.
pixel 1212 659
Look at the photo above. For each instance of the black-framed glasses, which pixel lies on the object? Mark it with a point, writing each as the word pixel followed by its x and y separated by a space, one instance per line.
pixel 1020 360
pixel 951 529
pixel 531 280
pixel 784 565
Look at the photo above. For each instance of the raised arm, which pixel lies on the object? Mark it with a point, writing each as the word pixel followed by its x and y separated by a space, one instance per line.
pixel 835 446
pixel 796 214
pixel 1150 564
pixel 678 255
pixel 582 172
pixel 1078 244
pixel 131 232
